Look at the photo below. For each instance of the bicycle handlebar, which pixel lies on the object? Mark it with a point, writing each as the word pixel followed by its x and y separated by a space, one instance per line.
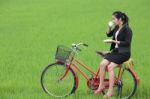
pixel 76 46
pixel 82 44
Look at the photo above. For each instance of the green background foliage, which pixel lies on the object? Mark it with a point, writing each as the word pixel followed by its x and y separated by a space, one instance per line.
pixel 30 31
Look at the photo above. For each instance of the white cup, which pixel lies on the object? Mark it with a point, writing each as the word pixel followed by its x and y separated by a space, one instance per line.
pixel 110 23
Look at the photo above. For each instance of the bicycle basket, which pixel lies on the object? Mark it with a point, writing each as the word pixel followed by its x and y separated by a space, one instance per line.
pixel 63 53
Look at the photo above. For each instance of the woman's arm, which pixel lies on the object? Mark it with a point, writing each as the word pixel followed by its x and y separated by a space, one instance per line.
pixel 110 31
pixel 128 38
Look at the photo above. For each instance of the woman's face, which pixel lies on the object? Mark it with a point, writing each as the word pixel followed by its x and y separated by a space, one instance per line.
pixel 116 21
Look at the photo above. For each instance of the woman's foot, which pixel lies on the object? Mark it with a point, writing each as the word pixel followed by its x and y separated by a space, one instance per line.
pixel 108 95
pixel 99 90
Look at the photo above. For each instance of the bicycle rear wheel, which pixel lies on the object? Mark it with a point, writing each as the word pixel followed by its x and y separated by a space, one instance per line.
pixel 129 84
pixel 51 83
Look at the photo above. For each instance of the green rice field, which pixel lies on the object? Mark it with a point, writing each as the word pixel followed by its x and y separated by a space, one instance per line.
pixel 30 31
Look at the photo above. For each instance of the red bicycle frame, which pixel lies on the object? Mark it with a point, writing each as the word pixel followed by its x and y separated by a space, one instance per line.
pixel 74 63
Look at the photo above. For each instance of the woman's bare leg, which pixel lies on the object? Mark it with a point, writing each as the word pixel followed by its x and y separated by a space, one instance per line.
pixel 111 67
pixel 103 66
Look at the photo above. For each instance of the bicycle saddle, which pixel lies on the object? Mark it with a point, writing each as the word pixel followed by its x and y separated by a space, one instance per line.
pixel 102 53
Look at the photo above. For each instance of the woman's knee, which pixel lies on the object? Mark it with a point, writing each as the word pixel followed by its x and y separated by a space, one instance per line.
pixel 111 67
pixel 104 63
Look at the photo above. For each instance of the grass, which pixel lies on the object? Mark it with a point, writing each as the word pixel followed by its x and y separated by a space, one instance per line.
pixel 30 30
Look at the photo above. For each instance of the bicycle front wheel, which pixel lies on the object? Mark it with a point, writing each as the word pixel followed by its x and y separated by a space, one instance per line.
pixel 53 85
pixel 129 84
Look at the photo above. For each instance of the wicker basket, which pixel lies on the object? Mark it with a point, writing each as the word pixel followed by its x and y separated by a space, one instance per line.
pixel 63 53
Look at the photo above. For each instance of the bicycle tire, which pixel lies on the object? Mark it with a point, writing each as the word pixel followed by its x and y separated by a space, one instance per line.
pixel 123 93
pixel 62 88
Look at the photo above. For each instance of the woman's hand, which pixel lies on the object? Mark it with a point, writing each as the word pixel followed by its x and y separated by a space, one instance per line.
pixel 108 30
pixel 115 41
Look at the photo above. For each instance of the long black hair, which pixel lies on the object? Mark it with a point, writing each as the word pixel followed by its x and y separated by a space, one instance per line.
pixel 123 16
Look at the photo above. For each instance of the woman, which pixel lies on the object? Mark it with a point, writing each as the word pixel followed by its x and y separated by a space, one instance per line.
pixel 120 50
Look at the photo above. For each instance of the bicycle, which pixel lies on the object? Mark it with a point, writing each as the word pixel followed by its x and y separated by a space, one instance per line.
pixel 60 79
